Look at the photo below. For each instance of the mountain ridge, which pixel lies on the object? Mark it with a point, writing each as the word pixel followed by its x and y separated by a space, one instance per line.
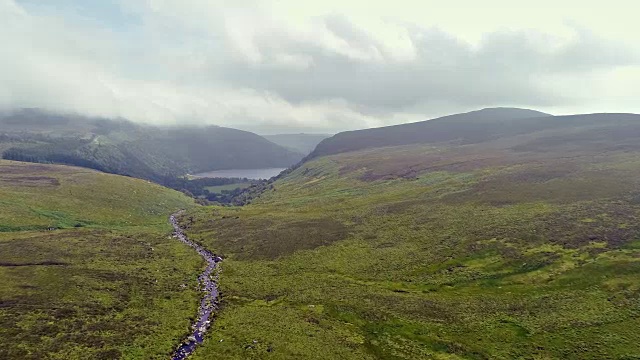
pixel 468 128
pixel 157 153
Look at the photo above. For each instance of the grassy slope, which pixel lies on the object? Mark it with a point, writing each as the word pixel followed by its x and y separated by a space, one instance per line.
pixel 35 196
pixel 218 189
pixel 471 252
pixel 107 289
pixel 465 128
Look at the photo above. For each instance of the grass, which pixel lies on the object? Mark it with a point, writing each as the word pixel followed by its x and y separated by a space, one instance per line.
pixel 230 187
pixel 474 253
pixel 36 196
pixel 107 282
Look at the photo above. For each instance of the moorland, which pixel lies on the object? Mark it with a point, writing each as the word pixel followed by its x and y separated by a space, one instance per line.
pixel 497 234
pixel 519 244
pixel 87 267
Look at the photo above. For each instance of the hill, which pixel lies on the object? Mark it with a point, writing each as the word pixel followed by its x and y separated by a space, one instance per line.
pixel 155 153
pixel 87 270
pixel 301 143
pixel 39 197
pixel 524 245
pixel 469 127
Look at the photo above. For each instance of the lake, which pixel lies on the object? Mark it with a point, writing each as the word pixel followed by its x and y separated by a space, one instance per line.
pixel 253 174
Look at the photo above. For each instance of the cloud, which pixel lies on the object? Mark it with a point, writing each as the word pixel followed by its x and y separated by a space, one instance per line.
pixel 505 67
pixel 248 67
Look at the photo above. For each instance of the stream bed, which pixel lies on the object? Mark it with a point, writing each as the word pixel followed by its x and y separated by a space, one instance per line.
pixel 209 302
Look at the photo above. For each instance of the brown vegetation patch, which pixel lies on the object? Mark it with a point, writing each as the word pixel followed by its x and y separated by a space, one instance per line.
pixel 42 263
pixel 30 181
pixel 595 139
pixel 411 162
pixel 541 174
pixel 7 168
pixel 399 207
pixel 615 223
pixel 555 186
pixel 259 240
pixel 417 308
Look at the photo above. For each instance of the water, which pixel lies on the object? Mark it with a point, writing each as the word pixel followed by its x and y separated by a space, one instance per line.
pixel 253 174
pixel 209 302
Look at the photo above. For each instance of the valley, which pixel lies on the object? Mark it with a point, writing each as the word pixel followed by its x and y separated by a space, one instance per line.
pixel 319 180
pixel 522 241
pixel 522 245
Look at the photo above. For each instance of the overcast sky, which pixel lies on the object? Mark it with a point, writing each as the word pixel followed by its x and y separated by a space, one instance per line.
pixel 317 66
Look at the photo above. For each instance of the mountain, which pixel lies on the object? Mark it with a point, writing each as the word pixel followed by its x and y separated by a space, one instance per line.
pixel 518 241
pixel 122 147
pixel 463 128
pixel 301 143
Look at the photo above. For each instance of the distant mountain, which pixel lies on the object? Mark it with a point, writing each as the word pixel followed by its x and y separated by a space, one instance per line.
pixel 605 131
pixel 469 127
pixel 122 147
pixel 302 143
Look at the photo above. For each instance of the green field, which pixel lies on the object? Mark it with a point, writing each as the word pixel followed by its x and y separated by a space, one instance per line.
pixel 229 187
pixel 419 252
pixel 88 270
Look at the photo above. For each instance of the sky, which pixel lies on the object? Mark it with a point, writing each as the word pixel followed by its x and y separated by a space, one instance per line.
pixel 284 66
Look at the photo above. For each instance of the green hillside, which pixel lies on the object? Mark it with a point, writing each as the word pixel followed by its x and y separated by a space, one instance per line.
pixel 472 127
pixel 160 154
pixel 483 126
pixel 87 268
pixel 38 197
pixel 523 246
